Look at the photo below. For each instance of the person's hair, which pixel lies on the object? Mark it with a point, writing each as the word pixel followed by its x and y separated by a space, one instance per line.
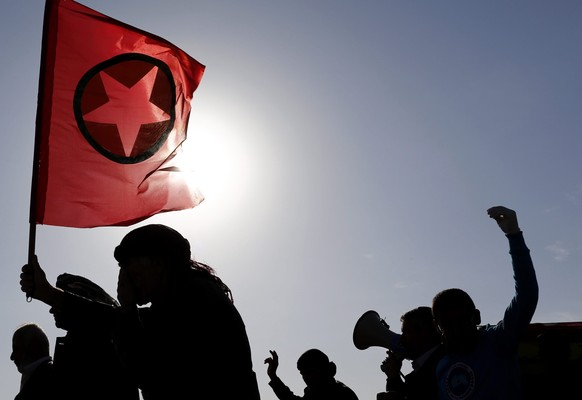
pixel 86 288
pixel 161 241
pixel 36 340
pixel 422 317
pixel 208 272
pixel 451 298
pixel 315 358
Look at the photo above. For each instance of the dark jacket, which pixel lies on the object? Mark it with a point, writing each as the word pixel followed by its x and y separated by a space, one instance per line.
pixel 40 385
pixel 88 367
pixel 192 344
pixel 421 383
pixel 335 390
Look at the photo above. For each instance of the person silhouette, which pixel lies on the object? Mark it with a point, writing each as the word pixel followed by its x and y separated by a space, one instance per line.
pixel 317 372
pixel 422 345
pixel 481 362
pixel 31 355
pixel 85 358
pixel 176 324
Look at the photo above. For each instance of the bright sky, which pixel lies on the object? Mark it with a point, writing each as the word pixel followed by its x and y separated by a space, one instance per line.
pixel 348 152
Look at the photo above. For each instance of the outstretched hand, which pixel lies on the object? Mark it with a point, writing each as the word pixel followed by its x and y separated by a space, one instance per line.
pixel 505 218
pixel 273 363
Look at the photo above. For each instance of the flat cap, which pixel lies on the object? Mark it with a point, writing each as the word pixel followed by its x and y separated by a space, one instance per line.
pixel 84 287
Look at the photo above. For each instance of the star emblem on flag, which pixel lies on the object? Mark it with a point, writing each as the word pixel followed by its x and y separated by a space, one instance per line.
pixel 125 107
pixel 113 108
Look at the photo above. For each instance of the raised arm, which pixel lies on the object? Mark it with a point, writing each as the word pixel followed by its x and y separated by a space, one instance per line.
pixel 524 302
pixel 33 281
pixel 281 390
pixel 272 364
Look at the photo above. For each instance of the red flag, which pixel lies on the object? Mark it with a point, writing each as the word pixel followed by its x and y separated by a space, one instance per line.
pixel 114 103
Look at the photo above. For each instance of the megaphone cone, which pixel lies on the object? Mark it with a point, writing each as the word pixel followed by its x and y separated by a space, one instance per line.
pixel 371 330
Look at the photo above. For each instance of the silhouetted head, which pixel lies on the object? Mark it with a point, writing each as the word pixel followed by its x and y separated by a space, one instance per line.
pixel 315 368
pixel 29 344
pixel 457 319
pixel 155 241
pixel 83 287
pixel 419 333
pixel 150 258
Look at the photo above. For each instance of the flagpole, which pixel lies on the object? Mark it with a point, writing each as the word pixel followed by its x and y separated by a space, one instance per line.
pixel 37 137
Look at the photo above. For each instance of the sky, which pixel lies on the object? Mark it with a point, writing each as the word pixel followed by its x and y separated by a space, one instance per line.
pixel 347 152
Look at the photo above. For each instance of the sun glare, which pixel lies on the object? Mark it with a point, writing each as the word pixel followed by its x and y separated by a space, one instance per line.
pixel 219 160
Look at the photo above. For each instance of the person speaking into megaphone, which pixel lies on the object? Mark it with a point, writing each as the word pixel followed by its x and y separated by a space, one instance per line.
pixel 421 344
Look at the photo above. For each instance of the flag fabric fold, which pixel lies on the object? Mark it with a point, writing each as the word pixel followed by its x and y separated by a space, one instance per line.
pixel 113 110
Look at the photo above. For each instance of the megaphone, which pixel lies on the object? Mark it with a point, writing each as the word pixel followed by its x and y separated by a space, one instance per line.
pixel 371 330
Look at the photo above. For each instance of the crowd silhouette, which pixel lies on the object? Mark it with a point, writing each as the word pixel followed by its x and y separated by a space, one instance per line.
pixel 156 272
pixel 174 323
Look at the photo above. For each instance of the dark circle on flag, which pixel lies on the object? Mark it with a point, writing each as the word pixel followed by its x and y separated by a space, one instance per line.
pixel 127 69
